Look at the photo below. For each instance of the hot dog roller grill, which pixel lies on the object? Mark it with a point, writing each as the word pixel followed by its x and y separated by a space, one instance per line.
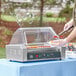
pixel 31 44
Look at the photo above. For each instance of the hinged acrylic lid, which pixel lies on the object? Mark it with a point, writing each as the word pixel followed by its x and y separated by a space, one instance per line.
pixel 33 35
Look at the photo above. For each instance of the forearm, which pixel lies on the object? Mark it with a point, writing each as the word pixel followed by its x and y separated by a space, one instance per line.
pixel 71 21
pixel 72 35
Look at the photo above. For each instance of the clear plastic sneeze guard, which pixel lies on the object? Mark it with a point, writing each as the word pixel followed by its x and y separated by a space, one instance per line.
pixel 31 44
pixel 35 35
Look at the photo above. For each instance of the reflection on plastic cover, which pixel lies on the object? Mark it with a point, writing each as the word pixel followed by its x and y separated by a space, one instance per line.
pixel 38 37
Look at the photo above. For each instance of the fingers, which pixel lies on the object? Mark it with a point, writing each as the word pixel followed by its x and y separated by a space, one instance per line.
pixel 58 43
pixel 68 25
pixel 65 27
pixel 55 43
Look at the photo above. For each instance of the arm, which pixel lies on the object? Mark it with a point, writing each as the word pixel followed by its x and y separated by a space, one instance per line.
pixel 62 42
pixel 72 35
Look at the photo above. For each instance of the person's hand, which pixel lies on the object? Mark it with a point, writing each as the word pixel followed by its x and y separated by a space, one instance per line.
pixel 68 25
pixel 58 43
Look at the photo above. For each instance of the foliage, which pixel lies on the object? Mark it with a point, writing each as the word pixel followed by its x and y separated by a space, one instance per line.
pixel 7 32
pixel 5 36
pixel 49 14
pixel 0 39
pixel 69 2
pixel 50 2
pixel 66 12
pixel 48 17
pixel 8 18
pixel 54 19
pixel 2 52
